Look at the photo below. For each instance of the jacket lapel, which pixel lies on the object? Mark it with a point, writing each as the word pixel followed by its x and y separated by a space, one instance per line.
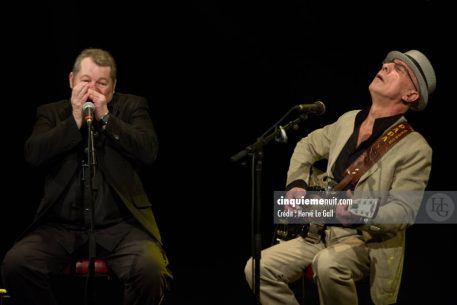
pixel 376 166
pixel 343 133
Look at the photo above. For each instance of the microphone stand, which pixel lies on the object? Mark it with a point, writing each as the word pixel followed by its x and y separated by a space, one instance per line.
pixel 256 150
pixel 87 177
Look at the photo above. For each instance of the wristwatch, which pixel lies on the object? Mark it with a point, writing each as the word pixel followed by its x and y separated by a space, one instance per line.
pixel 104 119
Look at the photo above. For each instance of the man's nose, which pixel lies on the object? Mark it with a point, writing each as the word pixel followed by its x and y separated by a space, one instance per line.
pixel 387 66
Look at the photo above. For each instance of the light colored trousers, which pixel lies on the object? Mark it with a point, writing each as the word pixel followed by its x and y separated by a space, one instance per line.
pixel 337 264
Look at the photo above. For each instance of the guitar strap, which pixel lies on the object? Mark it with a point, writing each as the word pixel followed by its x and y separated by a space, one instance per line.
pixel 360 166
pixel 373 153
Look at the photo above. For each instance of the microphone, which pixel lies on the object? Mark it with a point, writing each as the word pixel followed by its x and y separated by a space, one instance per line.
pixel 88 111
pixel 317 108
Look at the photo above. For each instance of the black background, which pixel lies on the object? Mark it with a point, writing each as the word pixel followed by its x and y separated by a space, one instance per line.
pixel 217 75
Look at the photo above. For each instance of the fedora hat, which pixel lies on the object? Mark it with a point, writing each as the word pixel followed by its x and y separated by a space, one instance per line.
pixel 423 71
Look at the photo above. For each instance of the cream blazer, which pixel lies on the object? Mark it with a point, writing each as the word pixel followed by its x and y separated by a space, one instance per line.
pixel 399 178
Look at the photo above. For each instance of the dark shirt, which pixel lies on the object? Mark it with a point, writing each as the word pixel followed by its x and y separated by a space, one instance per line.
pixel 351 151
pixel 74 207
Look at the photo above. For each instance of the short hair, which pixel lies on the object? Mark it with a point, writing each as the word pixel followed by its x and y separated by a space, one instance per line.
pixel 100 57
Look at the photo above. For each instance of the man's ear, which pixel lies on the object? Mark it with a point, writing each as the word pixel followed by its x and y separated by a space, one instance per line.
pixel 70 79
pixel 411 97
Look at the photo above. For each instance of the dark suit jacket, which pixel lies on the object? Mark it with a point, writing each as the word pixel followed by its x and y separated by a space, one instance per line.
pixel 130 142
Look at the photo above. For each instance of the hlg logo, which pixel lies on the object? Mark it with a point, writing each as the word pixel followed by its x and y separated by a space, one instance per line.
pixel 440 207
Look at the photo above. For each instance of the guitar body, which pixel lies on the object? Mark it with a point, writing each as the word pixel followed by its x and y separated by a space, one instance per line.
pixel 288 231
pixel 365 208
pixel 284 232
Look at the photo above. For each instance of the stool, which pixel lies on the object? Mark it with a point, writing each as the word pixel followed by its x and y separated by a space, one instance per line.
pixel 70 286
pixel 81 268
pixel 308 274
pixel 305 289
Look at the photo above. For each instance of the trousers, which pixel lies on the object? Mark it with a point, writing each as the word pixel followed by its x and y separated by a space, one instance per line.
pixel 337 263
pixel 136 259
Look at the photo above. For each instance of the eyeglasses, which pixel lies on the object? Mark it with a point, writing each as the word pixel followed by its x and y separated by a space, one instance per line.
pixel 402 70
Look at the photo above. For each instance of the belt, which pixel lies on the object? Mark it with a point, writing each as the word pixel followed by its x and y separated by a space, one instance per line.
pixel 314 233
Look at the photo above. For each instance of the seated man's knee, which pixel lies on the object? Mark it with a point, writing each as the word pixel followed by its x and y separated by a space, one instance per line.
pixel 151 270
pixel 13 263
pixel 248 271
pixel 266 269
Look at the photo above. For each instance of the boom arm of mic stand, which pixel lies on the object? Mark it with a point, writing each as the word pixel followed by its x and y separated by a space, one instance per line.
pixel 256 146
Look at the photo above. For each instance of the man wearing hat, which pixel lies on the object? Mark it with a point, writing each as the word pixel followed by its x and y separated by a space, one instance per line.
pixel 350 247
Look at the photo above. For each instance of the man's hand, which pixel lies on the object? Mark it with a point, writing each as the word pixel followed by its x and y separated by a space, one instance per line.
pixel 345 217
pixel 100 102
pixel 79 95
pixel 295 193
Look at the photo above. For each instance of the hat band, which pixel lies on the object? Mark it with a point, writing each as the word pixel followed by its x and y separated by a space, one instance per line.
pixel 419 68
